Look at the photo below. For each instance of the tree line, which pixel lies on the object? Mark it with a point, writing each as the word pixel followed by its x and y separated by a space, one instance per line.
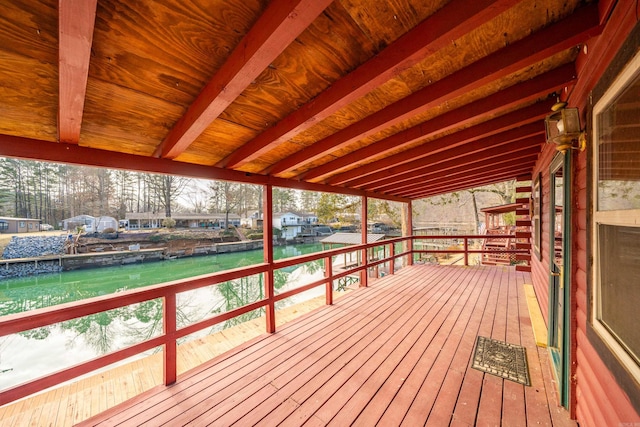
pixel 53 192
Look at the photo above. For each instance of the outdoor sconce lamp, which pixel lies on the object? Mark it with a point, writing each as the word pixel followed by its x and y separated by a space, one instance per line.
pixel 562 128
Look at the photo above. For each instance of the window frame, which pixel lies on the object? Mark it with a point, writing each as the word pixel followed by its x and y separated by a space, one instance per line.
pixel 536 214
pixel 628 217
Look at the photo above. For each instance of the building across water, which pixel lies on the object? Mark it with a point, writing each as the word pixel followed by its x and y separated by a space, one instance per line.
pixel 19 225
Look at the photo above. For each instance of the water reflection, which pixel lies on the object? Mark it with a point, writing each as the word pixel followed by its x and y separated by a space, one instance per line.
pixel 36 352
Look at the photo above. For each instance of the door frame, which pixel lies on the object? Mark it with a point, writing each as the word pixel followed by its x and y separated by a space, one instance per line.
pixel 560 277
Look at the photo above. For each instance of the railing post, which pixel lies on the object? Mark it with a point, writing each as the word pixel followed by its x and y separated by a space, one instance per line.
pixel 407 230
pixel 466 251
pixel 267 235
pixel 328 273
pixel 392 253
pixel 364 273
pixel 171 346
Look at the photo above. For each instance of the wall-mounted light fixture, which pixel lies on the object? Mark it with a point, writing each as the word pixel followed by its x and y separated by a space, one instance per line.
pixel 563 128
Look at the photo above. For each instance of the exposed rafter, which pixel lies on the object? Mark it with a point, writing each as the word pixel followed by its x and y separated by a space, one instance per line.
pixel 492 167
pixel 279 25
pixel 528 116
pixel 472 181
pixel 76 21
pixel 553 39
pixel 515 139
pixel 451 22
pixel 492 159
pixel 397 99
pixel 500 101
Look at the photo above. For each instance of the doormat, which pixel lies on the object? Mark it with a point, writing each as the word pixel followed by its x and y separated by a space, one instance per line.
pixel 508 361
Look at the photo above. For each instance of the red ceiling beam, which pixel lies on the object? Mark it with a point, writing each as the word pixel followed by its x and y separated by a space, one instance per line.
pixel 480 182
pixel 462 187
pixel 34 149
pixel 443 166
pixel 476 179
pixel 76 20
pixel 496 164
pixel 501 101
pixel 277 28
pixel 473 182
pixel 527 116
pixel 569 32
pixel 516 139
pixel 451 22
pixel 511 140
pixel 455 168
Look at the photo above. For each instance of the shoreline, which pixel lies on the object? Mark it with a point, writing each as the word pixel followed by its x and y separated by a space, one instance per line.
pixel 10 268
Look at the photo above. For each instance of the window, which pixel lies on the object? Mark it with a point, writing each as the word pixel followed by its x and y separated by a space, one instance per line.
pixel 22 224
pixel 4 225
pixel 536 208
pixel 616 219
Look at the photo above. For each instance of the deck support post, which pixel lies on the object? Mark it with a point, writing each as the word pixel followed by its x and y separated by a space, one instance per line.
pixel 466 251
pixel 267 235
pixel 171 346
pixel 328 273
pixel 363 231
pixel 407 230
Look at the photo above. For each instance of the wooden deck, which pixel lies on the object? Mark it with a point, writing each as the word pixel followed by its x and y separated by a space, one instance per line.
pixel 78 400
pixel 395 353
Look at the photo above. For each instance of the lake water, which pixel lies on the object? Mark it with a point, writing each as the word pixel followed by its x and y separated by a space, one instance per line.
pixel 33 353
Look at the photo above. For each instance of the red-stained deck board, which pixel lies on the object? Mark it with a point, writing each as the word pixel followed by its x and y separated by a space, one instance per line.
pixel 250 369
pixel 337 370
pixel 490 407
pixel 396 352
pixel 389 378
pixel 298 384
pixel 466 409
pixel 513 412
pixel 439 359
pixel 443 408
pixel 405 346
pixel 535 396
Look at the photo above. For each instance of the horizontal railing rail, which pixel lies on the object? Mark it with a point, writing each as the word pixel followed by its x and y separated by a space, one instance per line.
pixel 465 249
pixel 16 323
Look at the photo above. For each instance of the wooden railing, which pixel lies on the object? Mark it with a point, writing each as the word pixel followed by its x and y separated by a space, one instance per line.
pixel 465 245
pixel 16 323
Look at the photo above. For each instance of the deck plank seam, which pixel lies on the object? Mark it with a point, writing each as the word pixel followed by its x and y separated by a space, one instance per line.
pixel 423 363
pixel 444 364
pixel 359 303
pixel 468 341
pixel 411 331
pixel 388 285
pixel 226 358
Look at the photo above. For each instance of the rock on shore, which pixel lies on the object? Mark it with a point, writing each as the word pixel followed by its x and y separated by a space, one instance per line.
pixel 33 246
pixel 28 247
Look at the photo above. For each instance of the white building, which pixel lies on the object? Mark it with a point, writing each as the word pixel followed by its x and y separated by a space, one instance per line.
pixel 103 223
pixel 87 222
pixel 289 224
pixel 148 220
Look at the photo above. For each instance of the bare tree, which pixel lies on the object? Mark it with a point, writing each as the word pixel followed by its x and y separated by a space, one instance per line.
pixel 225 197
pixel 166 188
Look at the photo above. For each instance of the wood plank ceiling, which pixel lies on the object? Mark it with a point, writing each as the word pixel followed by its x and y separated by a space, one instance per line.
pixel 399 98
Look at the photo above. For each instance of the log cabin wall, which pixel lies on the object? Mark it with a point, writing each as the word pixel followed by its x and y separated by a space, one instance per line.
pixel 540 267
pixel 602 393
